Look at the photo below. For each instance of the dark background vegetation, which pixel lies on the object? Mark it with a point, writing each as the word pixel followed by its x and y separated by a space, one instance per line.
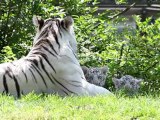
pixel 132 51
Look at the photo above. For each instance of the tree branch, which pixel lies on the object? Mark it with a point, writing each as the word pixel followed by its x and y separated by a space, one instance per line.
pixel 125 10
pixel 121 54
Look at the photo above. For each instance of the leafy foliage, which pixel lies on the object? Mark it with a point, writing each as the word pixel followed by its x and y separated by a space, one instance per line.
pixel 133 51
pixel 7 55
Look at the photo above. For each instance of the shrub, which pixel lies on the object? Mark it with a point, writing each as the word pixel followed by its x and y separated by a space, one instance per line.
pixel 131 51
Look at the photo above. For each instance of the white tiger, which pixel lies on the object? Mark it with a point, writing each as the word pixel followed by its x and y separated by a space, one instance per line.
pixel 127 83
pixel 96 75
pixel 51 65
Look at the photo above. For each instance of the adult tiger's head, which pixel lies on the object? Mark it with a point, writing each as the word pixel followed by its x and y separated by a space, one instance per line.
pixel 60 29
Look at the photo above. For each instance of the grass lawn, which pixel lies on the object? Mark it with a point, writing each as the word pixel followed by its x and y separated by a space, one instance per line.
pixel 52 107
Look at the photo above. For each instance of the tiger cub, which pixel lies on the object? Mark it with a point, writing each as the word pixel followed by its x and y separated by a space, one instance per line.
pixel 96 75
pixel 127 83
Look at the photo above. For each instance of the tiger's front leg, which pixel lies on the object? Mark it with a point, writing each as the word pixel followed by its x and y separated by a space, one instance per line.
pixel 96 90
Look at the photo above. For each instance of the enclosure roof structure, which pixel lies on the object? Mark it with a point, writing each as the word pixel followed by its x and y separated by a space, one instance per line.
pixel 140 7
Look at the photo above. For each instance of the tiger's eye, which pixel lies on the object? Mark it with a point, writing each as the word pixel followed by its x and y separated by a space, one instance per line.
pixel 90 77
pixel 99 77
pixel 122 83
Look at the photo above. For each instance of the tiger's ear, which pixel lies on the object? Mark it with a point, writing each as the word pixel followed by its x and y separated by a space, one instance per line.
pixel 116 82
pixel 104 69
pixel 85 70
pixel 68 21
pixel 38 21
pixel 139 81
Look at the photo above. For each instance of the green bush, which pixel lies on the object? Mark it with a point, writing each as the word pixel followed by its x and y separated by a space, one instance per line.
pixel 7 55
pixel 132 51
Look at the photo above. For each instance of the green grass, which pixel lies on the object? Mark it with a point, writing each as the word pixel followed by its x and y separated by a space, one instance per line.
pixel 52 107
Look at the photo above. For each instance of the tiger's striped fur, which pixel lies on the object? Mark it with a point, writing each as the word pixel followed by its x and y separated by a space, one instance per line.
pixel 51 66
